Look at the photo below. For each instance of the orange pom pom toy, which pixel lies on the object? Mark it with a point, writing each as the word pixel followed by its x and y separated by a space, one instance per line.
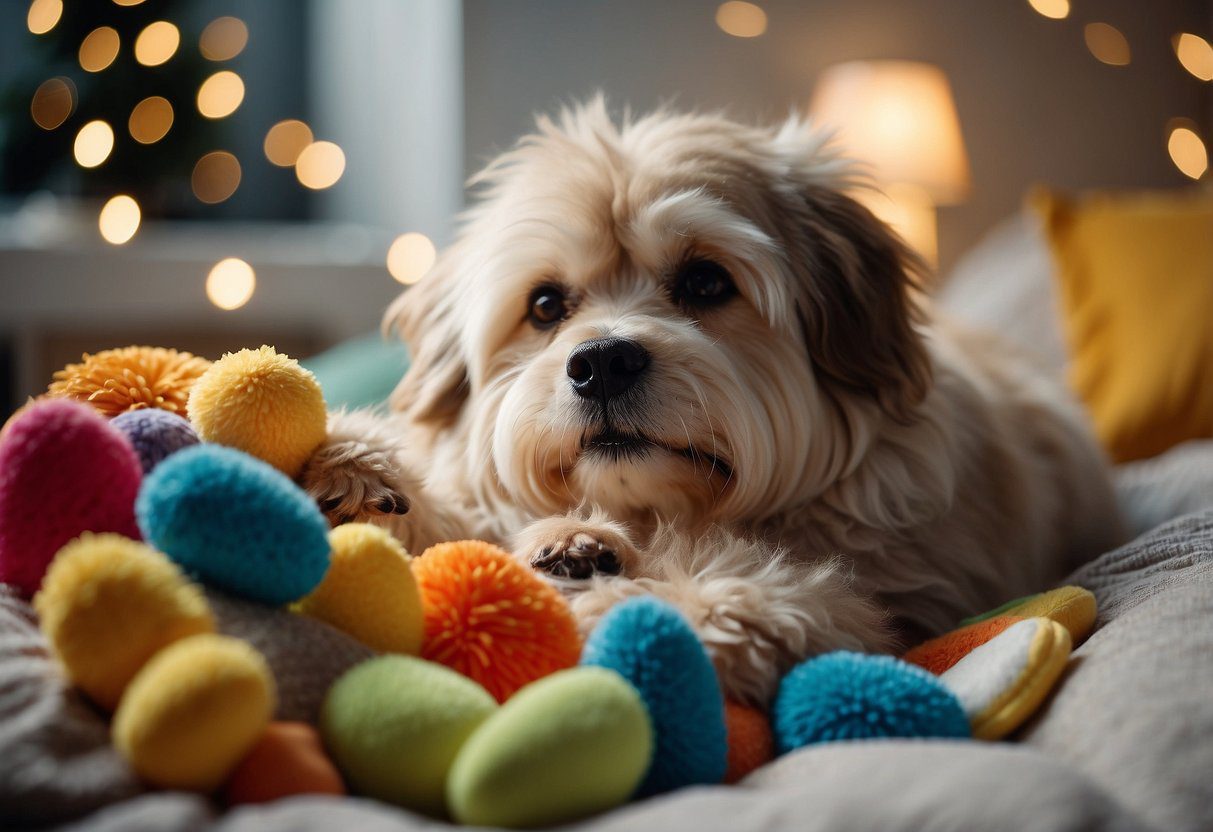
pixel 490 618
pixel 130 378
pixel 289 759
pixel 751 743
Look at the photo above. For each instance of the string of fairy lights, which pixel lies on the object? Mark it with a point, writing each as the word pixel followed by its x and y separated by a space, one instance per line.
pixel 216 175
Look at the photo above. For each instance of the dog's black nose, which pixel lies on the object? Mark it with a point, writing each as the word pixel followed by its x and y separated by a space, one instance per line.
pixel 605 367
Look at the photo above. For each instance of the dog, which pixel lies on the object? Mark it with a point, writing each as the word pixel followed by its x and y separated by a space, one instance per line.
pixel 675 356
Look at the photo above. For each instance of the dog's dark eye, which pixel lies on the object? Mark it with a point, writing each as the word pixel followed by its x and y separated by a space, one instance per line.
pixel 547 306
pixel 704 283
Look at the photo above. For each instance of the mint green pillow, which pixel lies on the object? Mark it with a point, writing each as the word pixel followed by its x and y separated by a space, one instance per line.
pixel 360 372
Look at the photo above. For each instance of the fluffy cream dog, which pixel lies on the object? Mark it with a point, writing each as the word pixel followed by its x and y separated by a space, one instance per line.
pixel 674 357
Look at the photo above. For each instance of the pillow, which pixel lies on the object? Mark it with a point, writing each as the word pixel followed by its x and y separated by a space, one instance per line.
pixel 1135 272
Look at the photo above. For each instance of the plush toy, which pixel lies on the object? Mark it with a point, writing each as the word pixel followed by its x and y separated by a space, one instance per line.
pixel 288 759
pixel 63 471
pixel 262 403
pixel 751 744
pixel 491 618
pixel 154 434
pixel 130 378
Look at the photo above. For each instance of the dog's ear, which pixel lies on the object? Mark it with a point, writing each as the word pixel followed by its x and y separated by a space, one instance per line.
pixel 856 298
pixel 436 385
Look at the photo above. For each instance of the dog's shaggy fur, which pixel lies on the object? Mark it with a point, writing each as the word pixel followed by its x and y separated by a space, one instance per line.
pixel 810 463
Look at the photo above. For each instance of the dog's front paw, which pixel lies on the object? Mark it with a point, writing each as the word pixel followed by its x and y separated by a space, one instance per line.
pixel 351 481
pixel 563 547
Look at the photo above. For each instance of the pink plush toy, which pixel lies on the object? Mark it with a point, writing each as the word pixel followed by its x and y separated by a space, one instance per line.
pixel 63 470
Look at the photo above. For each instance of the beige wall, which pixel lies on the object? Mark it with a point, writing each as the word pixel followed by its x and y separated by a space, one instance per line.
pixel 1034 105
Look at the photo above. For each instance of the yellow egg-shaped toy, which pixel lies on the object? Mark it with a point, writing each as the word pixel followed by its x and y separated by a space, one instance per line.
pixel 369 590
pixel 194 711
pixel 108 604
pixel 262 403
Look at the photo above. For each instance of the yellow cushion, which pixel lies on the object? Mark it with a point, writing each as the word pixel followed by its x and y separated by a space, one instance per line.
pixel 1136 278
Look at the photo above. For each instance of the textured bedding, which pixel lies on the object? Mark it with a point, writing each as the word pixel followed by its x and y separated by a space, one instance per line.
pixel 1126 742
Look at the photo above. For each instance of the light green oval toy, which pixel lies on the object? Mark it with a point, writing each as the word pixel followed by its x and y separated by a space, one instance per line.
pixel 394 725
pixel 569 745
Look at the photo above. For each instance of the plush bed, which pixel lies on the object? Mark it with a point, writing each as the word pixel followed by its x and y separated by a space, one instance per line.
pixel 1124 743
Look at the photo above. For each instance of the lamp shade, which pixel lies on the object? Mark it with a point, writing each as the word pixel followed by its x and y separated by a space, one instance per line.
pixel 900 119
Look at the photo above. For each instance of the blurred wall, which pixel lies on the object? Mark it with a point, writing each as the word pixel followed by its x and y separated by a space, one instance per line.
pixel 1034 105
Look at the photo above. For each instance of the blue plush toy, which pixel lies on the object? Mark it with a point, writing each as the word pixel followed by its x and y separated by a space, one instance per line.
pixel 235 522
pixel 652 646
pixel 851 696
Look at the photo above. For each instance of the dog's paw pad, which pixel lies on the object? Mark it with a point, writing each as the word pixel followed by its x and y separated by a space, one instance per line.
pixel 579 557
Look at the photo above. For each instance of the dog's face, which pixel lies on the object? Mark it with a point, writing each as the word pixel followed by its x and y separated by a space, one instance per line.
pixel 681 318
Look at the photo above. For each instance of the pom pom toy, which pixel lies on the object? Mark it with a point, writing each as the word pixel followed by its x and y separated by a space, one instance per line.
pixel 394 725
pixel 940 653
pixel 262 403
pixel 369 590
pixel 108 604
pixel 131 378
pixel 567 746
pixel 750 741
pixel 194 711
pixel 287 760
pixel 1002 682
pixel 154 434
pixel 652 646
pixel 63 470
pixel 849 696
pixel 236 523
pixel 491 618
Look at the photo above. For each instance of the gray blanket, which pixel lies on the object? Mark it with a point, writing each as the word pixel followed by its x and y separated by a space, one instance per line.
pixel 1125 743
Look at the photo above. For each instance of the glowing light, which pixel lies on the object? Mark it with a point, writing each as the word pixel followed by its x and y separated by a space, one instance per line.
pixel 410 257
pixel 157 43
pixel 150 119
pixel 285 141
pixel 230 283
pixel 220 94
pixel 53 102
pixel 119 219
pixel 741 19
pixel 93 144
pixel 1107 43
pixel 320 165
pixel 127 2
pixel 223 39
pixel 1188 152
pixel 216 177
pixel 1056 9
pixel 43 15
pixel 99 49
pixel 1195 54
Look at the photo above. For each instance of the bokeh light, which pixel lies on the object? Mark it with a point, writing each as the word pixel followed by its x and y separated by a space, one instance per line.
pixel 1056 9
pixel 98 49
pixel 1188 152
pixel 410 256
pixel 157 43
pixel 1195 54
pixel 741 19
pixel 53 102
pixel 119 219
pixel 1107 43
pixel 43 15
pixel 320 165
pixel 230 283
pixel 127 2
pixel 150 119
pixel 286 140
pixel 220 94
pixel 93 144
pixel 216 177
pixel 223 39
